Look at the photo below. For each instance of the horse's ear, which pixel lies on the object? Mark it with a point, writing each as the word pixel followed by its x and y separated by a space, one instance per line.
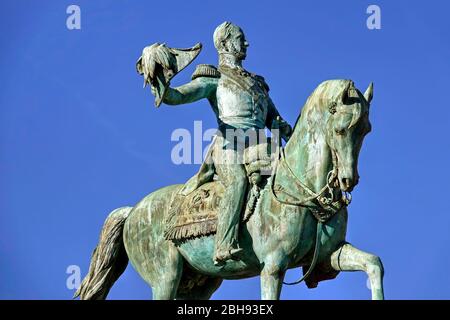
pixel 344 94
pixel 369 93
pixel 139 66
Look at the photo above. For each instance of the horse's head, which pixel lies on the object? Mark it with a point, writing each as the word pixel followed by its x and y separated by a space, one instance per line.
pixel 345 132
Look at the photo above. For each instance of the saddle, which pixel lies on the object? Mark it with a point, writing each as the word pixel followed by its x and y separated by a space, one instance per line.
pixel 195 215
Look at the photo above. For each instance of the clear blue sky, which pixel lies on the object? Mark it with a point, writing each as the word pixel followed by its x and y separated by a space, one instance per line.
pixel 80 137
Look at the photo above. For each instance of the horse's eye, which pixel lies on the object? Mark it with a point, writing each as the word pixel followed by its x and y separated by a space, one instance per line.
pixel 340 131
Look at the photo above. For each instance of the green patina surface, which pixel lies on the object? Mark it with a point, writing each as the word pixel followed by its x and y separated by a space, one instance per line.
pixel 278 236
pixel 300 218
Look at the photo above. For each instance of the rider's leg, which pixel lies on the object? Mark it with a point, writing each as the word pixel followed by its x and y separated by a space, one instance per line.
pixel 234 178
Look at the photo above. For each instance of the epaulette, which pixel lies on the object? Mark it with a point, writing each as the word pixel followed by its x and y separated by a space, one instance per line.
pixel 263 81
pixel 206 70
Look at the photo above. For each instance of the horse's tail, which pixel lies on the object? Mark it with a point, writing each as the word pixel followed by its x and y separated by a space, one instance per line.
pixel 109 259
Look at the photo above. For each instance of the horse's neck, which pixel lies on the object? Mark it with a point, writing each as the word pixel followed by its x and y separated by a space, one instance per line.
pixel 308 155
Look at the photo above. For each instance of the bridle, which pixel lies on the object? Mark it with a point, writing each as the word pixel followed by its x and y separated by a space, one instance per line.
pixel 321 206
pixel 324 202
pixel 330 185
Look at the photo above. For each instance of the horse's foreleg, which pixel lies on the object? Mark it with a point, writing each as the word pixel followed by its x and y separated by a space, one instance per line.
pixel 271 283
pixel 349 258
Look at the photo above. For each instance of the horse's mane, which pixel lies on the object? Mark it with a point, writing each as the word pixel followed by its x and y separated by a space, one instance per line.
pixel 325 93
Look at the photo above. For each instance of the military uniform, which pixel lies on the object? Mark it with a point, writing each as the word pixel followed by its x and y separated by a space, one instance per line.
pixel 243 109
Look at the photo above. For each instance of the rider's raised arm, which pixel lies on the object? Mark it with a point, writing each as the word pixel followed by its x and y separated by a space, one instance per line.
pixel 197 89
pixel 203 85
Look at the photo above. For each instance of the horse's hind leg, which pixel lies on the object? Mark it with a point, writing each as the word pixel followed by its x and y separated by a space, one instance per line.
pixel 201 291
pixel 349 258
pixel 169 275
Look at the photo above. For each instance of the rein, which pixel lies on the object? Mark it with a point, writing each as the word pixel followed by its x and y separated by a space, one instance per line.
pixel 331 176
pixel 322 200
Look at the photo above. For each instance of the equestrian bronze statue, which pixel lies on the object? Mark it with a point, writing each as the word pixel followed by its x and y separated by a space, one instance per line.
pixel 255 207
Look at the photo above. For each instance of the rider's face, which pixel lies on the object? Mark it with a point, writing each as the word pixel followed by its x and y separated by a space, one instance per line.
pixel 237 44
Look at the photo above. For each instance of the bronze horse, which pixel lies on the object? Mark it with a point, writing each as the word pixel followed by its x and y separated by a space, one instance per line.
pixel 300 218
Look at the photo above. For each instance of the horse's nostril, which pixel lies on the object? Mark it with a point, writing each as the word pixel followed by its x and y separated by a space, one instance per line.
pixel 347 182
